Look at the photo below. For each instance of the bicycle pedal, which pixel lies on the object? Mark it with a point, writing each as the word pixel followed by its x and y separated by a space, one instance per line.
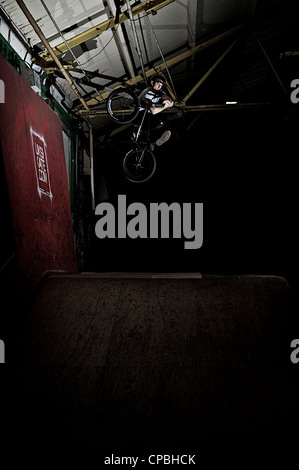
pixel 132 136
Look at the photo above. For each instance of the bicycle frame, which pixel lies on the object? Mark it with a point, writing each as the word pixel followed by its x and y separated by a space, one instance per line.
pixel 141 124
pixel 139 163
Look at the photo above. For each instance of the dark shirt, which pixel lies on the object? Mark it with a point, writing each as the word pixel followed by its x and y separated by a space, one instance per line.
pixel 151 95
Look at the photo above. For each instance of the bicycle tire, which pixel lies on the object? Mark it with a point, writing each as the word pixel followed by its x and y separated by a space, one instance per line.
pixel 122 105
pixel 135 171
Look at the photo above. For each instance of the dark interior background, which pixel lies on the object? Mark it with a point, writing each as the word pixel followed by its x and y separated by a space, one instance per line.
pixel 241 165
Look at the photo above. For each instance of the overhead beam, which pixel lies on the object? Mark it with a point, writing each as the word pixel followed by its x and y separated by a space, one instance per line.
pixel 136 40
pixel 208 73
pixel 120 41
pixel 228 107
pixel 194 14
pixel 202 107
pixel 149 6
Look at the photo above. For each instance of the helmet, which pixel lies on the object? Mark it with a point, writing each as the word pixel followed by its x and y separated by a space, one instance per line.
pixel 157 78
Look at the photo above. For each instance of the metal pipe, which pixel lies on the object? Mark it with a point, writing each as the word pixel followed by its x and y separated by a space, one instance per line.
pixel 143 40
pixel 50 50
pixel 208 73
pixel 196 108
pixel 91 165
pixel 136 38
pixel 269 62
pixel 57 27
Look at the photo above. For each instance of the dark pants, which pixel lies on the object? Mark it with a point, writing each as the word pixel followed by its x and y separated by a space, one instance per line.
pixel 153 125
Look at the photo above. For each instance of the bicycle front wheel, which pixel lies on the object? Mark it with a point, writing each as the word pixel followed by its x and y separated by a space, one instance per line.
pixel 139 165
pixel 123 105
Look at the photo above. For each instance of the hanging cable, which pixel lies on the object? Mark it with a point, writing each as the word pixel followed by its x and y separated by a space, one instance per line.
pixel 161 54
pixel 50 50
pixel 136 39
pixel 70 50
pixel 104 47
pixel 143 40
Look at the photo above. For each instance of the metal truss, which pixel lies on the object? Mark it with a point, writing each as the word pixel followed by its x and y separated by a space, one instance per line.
pixel 171 62
pixel 239 30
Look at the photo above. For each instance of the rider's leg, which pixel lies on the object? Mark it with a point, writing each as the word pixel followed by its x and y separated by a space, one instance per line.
pixel 151 125
pixel 159 124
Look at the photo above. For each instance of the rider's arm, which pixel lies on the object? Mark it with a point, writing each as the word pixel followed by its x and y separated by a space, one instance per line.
pixel 158 109
pixel 166 103
pixel 148 97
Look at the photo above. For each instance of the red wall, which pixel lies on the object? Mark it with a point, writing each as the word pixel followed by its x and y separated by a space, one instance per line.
pixel 34 162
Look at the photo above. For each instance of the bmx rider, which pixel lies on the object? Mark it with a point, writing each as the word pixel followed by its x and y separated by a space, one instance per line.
pixel 155 97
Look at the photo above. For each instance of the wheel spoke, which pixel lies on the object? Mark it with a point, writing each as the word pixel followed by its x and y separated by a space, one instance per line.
pixel 123 105
pixel 139 165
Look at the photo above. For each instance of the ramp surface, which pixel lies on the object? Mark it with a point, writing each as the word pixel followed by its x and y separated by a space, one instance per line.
pixel 142 362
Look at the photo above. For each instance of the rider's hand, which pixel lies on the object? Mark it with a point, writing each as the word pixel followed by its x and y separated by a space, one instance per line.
pixel 167 103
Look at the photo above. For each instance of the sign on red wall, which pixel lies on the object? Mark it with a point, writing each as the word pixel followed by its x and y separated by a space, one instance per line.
pixel 41 163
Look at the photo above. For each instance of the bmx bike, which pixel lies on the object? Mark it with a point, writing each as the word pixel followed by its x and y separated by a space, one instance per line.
pixel 139 163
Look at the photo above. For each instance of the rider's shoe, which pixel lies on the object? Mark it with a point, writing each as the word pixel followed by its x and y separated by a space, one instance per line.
pixel 164 138
pixel 152 146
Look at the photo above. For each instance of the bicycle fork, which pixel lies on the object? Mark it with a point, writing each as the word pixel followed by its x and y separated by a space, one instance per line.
pixel 139 161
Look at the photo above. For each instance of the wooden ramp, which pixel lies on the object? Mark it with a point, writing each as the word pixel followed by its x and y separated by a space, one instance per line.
pixel 145 361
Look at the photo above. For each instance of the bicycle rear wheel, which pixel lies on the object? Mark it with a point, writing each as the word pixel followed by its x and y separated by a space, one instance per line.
pixel 123 105
pixel 139 165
